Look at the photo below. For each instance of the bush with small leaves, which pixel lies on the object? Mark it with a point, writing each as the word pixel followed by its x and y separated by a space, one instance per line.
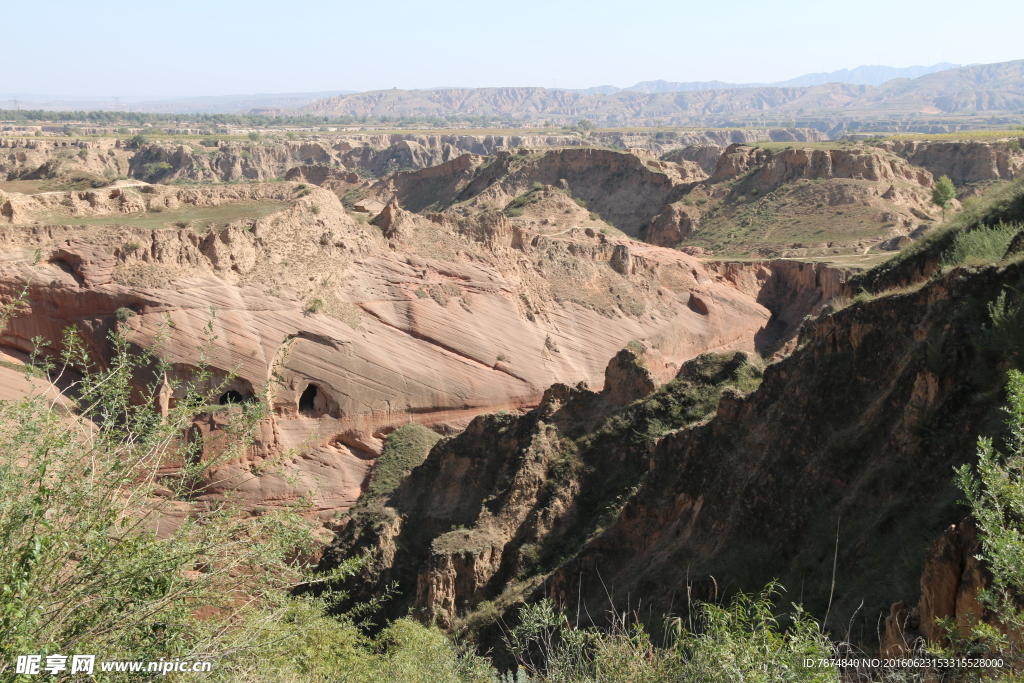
pixel 123 314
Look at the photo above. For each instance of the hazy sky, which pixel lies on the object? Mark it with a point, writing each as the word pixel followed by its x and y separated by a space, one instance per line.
pixel 216 47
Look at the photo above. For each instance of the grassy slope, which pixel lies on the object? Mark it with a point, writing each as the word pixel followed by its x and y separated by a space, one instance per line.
pixel 404 449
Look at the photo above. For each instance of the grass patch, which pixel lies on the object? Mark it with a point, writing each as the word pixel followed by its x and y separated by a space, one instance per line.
pixel 404 449
pixel 197 217
pixel 979 246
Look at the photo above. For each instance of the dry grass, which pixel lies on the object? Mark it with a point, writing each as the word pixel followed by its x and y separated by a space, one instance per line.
pixel 200 218
pixel 963 135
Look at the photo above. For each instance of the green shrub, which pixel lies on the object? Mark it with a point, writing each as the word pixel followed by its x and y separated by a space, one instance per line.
pixel 83 570
pixel 123 314
pixel 404 449
pixel 1005 335
pixel 978 246
pixel 156 169
pixel 315 305
pixel 741 641
pixel 995 493
pixel 637 347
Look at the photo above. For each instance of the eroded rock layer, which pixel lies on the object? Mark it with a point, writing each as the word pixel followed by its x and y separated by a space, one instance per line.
pixel 364 327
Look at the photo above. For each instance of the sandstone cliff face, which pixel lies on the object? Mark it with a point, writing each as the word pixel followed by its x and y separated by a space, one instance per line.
pixel 774 169
pixel 620 187
pixel 842 438
pixel 963 162
pixel 377 154
pixel 35 158
pixel 404 322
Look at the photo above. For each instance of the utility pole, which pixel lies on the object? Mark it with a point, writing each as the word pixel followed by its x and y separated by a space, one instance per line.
pixel 117 104
pixel 16 102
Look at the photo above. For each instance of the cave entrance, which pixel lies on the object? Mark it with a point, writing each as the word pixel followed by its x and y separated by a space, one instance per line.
pixel 231 396
pixel 307 402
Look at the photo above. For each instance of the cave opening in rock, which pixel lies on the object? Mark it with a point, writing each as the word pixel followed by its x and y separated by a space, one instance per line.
pixel 231 396
pixel 307 402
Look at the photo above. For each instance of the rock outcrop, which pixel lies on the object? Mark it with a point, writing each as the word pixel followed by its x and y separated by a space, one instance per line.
pixel 952 580
pixel 964 162
pixel 673 225
pixel 364 328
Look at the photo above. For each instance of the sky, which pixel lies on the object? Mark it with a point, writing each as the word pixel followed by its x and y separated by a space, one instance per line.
pixel 222 47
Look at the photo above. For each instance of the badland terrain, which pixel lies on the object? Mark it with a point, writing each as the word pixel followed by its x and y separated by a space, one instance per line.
pixel 625 370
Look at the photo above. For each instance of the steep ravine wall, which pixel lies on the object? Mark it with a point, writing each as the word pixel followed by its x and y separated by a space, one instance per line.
pixel 845 450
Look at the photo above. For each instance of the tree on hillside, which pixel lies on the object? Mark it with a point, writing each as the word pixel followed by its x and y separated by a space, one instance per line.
pixel 943 194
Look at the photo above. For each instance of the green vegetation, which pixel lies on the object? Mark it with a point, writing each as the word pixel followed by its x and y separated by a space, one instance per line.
pixel 741 641
pixel 314 305
pixel 1005 335
pixel 943 193
pixel 582 126
pixel 517 206
pixel 123 314
pixel 962 135
pixel 995 216
pixel 995 493
pixel 157 169
pixel 84 570
pixel 979 246
pixel 689 398
pixel 404 449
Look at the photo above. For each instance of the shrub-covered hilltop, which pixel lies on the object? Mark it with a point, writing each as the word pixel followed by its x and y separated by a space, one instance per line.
pixel 728 525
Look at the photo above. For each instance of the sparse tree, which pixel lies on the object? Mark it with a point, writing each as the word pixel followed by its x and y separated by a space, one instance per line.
pixel 943 194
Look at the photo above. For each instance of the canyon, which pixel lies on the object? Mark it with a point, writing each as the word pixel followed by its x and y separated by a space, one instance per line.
pixel 644 354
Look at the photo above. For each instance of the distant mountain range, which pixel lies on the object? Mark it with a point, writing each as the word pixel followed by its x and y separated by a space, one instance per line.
pixel 864 91
pixel 981 88
pixel 217 104
pixel 862 75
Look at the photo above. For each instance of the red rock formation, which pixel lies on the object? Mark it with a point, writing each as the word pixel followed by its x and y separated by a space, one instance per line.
pixel 477 325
